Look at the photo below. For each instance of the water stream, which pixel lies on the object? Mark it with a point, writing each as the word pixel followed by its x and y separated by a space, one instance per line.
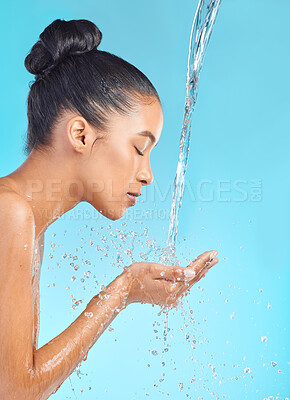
pixel 201 31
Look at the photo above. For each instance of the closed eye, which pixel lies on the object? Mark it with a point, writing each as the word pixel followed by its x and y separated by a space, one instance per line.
pixel 139 152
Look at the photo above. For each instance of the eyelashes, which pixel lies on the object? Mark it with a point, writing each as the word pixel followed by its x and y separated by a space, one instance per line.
pixel 139 152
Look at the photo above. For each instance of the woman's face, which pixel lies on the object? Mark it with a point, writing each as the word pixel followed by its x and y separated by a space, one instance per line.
pixel 120 163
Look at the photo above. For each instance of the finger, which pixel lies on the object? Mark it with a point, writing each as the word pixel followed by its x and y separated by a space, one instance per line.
pixel 185 288
pixel 178 289
pixel 181 274
pixel 204 257
pixel 202 261
pixel 193 271
pixel 205 270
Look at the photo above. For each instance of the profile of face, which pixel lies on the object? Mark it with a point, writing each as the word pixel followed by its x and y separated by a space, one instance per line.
pixel 119 161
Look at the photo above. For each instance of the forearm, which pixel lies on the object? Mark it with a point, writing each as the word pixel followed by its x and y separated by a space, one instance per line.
pixel 56 360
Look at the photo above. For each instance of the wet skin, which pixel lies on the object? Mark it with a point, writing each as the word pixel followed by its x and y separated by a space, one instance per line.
pixel 48 184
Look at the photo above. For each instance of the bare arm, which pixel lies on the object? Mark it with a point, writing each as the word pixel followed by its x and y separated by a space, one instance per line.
pixel 29 373
pixel 56 360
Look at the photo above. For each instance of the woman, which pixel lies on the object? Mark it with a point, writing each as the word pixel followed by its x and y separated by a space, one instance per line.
pixel 93 120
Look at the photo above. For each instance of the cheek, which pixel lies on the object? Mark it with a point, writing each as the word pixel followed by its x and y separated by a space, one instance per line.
pixel 119 163
pixel 115 167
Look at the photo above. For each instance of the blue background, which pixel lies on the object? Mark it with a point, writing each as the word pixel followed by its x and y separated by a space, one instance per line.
pixel 236 201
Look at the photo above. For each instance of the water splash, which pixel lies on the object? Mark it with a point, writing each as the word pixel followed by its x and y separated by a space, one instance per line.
pixel 202 26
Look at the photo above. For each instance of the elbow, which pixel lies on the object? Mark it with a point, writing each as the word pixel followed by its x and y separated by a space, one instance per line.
pixel 32 382
pixel 22 387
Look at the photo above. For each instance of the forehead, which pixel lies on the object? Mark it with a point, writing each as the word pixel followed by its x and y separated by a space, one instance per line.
pixel 146 117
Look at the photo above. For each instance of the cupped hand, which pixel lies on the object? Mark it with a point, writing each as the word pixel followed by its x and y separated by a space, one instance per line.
pixel 162 284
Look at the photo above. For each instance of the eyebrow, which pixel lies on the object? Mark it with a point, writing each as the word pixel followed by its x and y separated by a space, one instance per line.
pixel 150 135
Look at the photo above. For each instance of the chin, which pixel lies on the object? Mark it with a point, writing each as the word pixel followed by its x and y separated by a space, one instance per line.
pixel 113 214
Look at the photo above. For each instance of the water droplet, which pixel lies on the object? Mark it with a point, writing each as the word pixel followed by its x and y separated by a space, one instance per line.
pixel 76 304
pixel 154 352
pixel 180 386
pixel 273 363
pixel 264 339
pixel 247 370
pixel 269 306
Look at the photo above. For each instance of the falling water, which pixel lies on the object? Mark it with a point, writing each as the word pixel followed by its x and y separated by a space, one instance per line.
pixel 201 30
pixel 202 26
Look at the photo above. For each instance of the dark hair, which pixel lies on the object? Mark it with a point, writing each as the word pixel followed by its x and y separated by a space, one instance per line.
pixel 71 74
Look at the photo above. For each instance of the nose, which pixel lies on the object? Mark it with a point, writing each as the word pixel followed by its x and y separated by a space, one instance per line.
pixel 145 175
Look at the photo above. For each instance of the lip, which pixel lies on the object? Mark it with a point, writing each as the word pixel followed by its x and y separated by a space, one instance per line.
pixel 132 198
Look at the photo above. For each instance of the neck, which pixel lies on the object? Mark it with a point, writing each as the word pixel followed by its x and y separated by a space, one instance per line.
pixel 48 182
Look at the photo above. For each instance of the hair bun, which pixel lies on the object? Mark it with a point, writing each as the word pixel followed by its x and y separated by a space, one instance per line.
pixel 59 40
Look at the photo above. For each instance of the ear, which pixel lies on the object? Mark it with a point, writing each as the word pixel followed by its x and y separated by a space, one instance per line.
pixel 80 134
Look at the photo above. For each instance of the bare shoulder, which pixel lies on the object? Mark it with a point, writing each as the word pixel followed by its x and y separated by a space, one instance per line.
pixel 14 209
pixel 17 236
